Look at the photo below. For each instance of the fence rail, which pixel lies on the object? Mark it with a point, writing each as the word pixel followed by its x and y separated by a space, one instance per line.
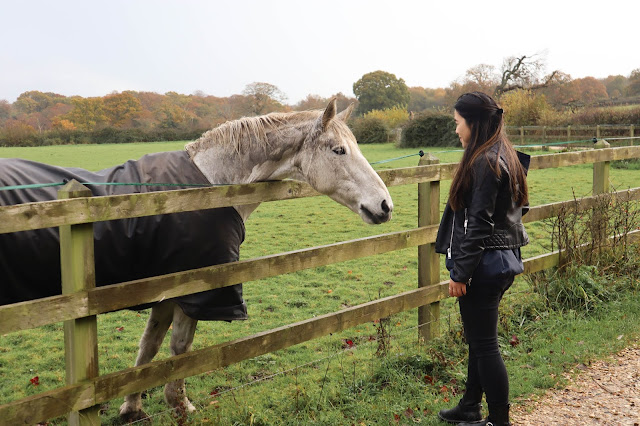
pixel 79 308
pixel 570 133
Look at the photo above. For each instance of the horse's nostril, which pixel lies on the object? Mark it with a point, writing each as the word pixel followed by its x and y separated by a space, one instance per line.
pixel 385 206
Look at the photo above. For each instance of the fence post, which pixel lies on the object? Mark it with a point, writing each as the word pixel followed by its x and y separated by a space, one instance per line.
pixel 598 131
pixel 631 132
pixel 569 133
pixel 78 274
pixel 601 171
pixel 428 259
pixel 521 135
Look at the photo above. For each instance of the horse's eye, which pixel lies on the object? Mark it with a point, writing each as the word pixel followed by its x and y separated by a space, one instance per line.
pixel 339 150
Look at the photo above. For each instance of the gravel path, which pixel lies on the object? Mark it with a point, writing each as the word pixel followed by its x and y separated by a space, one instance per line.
pixel 605 393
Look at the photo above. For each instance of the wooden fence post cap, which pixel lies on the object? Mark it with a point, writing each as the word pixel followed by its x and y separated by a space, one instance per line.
pixel 428 158
pixel 74 189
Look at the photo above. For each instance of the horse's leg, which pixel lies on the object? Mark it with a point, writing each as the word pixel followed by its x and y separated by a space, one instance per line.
pixel 157 326
pixel 184 328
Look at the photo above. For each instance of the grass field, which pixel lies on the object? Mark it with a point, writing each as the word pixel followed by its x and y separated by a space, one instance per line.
pixel 329 380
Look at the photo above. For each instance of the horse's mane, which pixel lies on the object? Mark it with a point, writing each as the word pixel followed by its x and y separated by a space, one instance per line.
pixel 237 134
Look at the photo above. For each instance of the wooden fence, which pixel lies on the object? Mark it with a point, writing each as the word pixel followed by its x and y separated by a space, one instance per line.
pixel 81 301
pixel 544 134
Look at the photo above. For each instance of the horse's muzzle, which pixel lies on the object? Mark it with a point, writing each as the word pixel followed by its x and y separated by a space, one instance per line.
pixel 379 217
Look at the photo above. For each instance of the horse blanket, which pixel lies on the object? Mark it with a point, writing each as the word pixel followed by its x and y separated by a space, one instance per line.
pixel 126 249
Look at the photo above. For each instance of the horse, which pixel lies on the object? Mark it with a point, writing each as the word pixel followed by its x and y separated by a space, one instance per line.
pixel 316 147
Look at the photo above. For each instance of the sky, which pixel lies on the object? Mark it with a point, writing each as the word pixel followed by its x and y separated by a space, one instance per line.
pixel 319 47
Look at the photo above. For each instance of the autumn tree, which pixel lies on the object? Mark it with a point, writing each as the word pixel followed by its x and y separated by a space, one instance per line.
pixel 177 111
pixel 170 115
pixel 43 120
pixel 380 90
pixel 264 97
pixel 616 86
pixel 457 88
pixel 343 101
pixel 567 92
pixel 421 99
pixel 634 83
pixel 591 90
pixel 311 102
pixel 5 110
pixel 87 113
pixel 485 77
pixel 121 108
pixel 63 124
pixel 36 101
pixel 564 92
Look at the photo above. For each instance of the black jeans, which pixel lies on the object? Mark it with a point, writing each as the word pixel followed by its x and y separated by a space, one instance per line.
pixel 486 370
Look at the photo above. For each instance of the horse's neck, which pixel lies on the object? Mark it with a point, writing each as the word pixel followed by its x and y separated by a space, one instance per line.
pixel 225 165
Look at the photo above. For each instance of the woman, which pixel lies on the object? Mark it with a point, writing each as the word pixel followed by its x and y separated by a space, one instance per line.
pixel 481 233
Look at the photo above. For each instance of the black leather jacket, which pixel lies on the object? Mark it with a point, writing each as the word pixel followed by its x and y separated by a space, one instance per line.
pixel 491 220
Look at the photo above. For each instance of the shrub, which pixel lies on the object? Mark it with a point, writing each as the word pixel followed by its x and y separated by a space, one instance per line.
pixel 23 135
pixel 430 129
pixel 609 115
pixel 393 117
pixel 523 107
pixel 15 133
pixel 370 130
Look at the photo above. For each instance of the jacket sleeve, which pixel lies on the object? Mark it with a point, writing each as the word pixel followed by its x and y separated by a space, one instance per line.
pixel 479 216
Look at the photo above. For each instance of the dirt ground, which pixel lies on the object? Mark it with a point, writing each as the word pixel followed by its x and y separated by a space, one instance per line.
pixel 604 393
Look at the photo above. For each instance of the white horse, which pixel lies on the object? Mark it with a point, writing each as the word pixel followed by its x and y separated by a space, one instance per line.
pixel 315 147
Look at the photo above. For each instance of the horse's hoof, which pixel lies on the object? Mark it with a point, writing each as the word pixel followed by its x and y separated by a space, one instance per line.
pixel 184 406
pixel 134 416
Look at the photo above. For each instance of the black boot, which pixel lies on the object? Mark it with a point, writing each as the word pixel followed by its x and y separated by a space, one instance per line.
pixel 498 416
pixel 465 411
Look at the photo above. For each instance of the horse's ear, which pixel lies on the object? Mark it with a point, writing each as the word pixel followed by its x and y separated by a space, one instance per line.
pixel 329 113
pixel 344 115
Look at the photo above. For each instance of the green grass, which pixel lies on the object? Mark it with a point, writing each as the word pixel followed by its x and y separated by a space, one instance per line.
pixel 326 380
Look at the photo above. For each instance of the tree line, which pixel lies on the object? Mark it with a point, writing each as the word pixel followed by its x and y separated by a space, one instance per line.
pixel 532 96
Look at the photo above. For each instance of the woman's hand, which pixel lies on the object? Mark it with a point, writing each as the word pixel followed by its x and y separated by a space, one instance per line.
pixel 457 289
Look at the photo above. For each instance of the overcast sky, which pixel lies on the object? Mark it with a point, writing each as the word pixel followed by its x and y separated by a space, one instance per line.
pixel 92 48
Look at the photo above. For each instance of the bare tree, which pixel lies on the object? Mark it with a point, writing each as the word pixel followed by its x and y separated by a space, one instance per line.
pixel 264 97
pixel 524 72
pixel 484 76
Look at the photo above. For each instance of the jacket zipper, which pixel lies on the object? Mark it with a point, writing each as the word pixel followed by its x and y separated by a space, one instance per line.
pixel 453 225
pixel 466 221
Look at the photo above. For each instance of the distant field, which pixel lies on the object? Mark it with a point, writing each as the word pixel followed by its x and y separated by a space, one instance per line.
pixel 274 227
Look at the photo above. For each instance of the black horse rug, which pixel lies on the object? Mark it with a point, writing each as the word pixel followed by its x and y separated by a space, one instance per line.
pixel 126 249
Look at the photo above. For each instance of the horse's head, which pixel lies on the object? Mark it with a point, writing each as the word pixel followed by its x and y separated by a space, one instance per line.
pixel 331 162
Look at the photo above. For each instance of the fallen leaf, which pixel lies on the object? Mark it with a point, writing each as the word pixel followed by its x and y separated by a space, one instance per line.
pixel 514 341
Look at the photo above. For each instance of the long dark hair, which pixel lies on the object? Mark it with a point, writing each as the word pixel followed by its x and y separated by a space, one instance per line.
pixel 484 118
